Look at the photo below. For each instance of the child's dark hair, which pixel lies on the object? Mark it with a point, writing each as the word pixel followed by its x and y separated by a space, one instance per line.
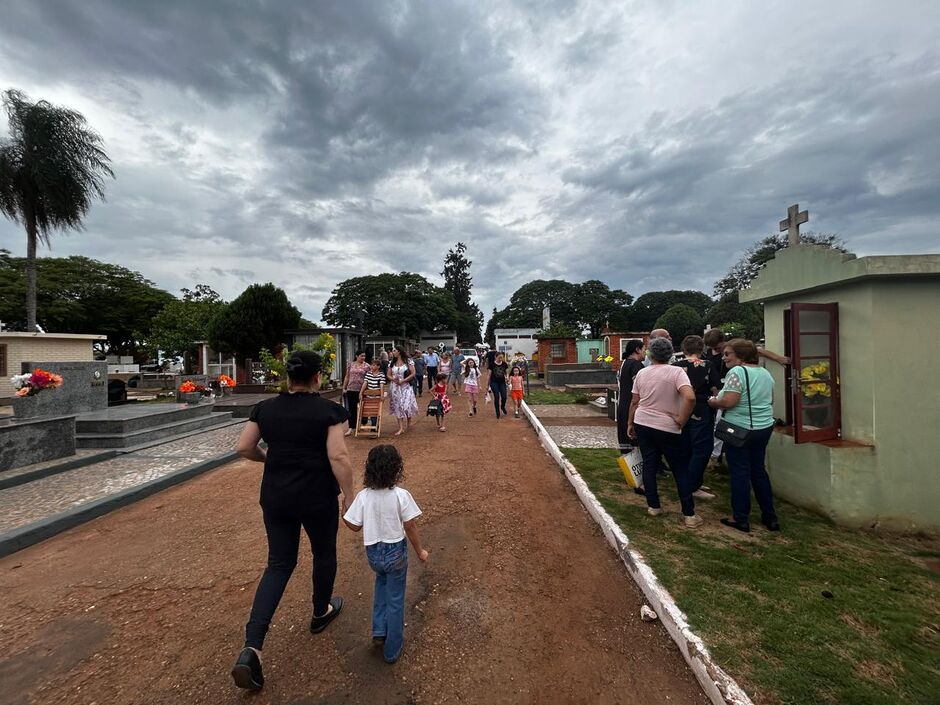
pixel 441 377
pixel 515 368
pixel 384 467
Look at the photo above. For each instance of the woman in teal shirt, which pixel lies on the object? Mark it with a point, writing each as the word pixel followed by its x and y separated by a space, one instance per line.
pixel 746 400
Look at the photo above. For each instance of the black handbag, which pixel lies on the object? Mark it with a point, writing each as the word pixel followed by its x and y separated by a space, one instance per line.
pixel 732 434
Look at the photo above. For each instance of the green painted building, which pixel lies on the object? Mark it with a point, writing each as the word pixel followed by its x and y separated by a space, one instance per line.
pixel 589 349
pixel 861 398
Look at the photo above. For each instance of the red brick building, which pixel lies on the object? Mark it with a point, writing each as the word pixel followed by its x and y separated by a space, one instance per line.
pixel 557 351
pixel 614 343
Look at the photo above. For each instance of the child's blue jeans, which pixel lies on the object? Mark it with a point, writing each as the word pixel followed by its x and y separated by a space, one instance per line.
pixel 390 563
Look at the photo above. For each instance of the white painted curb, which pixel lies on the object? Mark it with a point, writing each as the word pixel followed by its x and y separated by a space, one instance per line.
pixel 718 685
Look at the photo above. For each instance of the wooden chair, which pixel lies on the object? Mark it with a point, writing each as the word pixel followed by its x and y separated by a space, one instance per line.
pixel 370 406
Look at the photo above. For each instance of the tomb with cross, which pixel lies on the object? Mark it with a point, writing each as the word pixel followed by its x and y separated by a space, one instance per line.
pixel 792 224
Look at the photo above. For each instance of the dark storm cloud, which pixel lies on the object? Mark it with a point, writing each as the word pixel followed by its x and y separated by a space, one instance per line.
pixel 306 143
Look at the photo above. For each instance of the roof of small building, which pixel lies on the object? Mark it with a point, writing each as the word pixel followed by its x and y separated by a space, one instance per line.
pixel 805 268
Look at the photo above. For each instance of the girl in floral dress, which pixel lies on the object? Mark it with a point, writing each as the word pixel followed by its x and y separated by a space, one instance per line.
pixel 471 376
pixel 401 395
pixel 440 393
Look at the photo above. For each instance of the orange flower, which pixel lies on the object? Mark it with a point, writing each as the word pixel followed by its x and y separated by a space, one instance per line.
pixel 188 386
pixel 226 381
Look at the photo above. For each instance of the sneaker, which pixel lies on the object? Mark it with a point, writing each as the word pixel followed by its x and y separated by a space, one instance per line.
pixel 247 670
pixel 654 511
pixel 702 494
pixel 693 522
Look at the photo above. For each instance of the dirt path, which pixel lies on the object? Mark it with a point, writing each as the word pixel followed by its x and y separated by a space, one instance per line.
pixel 522 602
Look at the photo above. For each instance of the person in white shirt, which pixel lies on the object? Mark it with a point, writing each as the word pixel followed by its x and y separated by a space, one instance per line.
pixel 386 513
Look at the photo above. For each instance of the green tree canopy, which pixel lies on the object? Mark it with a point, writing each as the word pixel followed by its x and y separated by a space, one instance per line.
pixel 680 320
pixel 183 322
pixel 754 259
pixel 597 305
pixel 748 317
pixel 459 283
pixel 82 295
pixel 647 309
pixel 526 304
pixel 256 319
pixel 51 169
pixel 390 304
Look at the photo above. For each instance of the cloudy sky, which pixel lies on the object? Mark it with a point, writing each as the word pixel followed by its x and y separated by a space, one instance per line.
pixel 642 143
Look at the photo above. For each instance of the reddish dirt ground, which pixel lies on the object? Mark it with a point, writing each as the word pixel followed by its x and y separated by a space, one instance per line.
pixel 522 601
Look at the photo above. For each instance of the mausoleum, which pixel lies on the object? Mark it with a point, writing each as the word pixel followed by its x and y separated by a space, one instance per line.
pixel 859 398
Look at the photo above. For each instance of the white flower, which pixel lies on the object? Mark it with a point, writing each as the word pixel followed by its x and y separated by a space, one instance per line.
pixel 20 381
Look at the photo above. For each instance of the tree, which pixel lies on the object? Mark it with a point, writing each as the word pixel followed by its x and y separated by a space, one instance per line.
pixel 558 329
pixel 51 169
pixel 391 304
pixel 256 319
pixel 748 317
pixel 459 283
pixel 526 304
pixel 183 322
pixel 647 309
pixel 681 320
pixel 597 305
pixel 82 295
pixel 754 259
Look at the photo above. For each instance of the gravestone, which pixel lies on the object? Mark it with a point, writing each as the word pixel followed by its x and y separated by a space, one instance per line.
pixel 84 388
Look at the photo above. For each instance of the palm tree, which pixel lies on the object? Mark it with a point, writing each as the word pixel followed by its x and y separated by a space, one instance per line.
pixel 51 168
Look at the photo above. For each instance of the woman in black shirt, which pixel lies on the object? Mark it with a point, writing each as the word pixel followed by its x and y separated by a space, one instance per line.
pixel 306 465
pixel 498 383
pixel 633 356
pixel 700 428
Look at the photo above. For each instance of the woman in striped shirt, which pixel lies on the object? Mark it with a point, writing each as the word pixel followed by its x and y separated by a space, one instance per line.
pixel 374 379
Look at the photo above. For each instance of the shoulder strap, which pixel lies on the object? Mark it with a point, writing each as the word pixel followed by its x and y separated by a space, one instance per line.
pixel 748 382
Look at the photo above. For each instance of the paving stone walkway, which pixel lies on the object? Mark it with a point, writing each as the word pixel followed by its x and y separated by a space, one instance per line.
pixel 577 426
pixel 33 501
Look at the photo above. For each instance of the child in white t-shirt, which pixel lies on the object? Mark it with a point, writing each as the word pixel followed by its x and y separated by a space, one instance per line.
pixel 386 514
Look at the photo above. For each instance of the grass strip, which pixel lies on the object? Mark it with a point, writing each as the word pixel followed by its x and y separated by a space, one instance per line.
pixel 815 614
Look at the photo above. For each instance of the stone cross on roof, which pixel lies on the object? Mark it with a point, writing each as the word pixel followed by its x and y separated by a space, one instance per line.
pixel 793 222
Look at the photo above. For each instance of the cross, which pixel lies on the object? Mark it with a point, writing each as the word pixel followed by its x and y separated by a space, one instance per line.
pixel 793 222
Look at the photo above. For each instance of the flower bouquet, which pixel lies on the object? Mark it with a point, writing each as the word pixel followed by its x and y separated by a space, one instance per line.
pixel 226 383
pixel 190 392
pixel 31 383
pixel 605 360
pixel 815 382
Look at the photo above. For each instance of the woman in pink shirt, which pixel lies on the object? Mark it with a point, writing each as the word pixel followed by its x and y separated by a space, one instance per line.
pixel 662 403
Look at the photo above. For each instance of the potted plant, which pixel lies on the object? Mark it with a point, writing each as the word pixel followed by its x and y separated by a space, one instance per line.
pixel 190 392
pixel 29 385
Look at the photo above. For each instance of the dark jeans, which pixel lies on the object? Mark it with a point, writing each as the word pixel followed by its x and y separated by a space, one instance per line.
pixel 701 430
pixel 654 444
pixel 418 383
pixel 432 374
pixel 352 405
pixel 320 522
pixel 498 388
pixel 747 470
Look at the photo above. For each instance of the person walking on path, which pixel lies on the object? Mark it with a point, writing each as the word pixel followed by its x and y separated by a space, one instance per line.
pixel 456 370
pixel 383 359
pixel 440 394
pixel 446 366
pixel 471 376
pixel 701 425
pixel 386 514
pixel 633 355
pixel 662 403
pixel 516 389
pixel 746 401
pixel 432 360
pixel 306 467
pixel 401 397
pixel 352 385
pixel 498 383
pixel 374 379
pixel 420 370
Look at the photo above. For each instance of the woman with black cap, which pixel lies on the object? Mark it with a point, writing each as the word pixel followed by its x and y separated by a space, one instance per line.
pixel 306 466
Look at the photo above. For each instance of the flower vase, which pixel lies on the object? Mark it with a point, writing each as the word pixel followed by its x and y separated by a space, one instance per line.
pixel 191 398
pixel 26 407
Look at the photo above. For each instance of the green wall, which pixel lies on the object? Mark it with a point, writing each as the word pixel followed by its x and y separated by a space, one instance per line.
pixel 585 347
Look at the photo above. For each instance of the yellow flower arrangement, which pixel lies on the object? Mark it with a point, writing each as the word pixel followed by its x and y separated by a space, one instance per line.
pixel 818 377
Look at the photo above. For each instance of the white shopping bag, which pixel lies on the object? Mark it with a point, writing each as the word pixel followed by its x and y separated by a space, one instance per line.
pixel 631 464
